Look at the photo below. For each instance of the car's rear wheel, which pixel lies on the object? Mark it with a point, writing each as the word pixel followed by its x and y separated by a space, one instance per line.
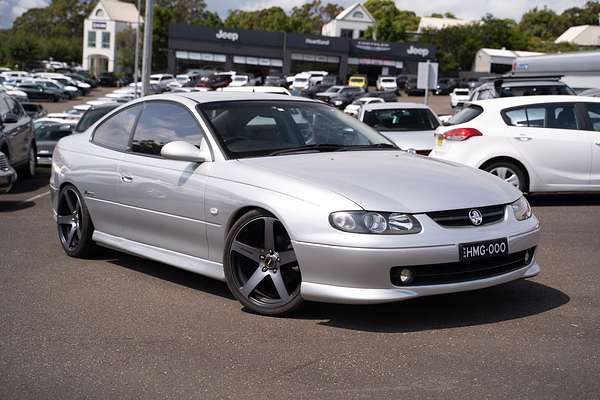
pixel 74 224
pixel 508 172
pixel 260 265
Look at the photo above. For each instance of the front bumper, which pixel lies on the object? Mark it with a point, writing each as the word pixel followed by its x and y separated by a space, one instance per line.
pixel 354 275
pixel 44 158
pixel 8 176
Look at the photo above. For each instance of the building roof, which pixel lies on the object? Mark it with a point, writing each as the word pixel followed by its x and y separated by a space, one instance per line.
pixel 120 11
pixel 441 23
pixel 509 53
pixel 582 35
pixel 349 11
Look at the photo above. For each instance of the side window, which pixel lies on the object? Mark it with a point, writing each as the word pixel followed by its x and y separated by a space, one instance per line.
pixel 161 123
pixel 562 116
pixel 486 94
pixel 593 111
pixel 3 106
pixel 536 116
pixel 115 131
pixel 516 117
pixel 14 107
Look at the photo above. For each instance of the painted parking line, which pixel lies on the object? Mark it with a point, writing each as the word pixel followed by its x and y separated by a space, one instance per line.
pixel 37 197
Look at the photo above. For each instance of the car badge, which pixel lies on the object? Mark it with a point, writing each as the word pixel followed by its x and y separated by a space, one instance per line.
pixel 475 217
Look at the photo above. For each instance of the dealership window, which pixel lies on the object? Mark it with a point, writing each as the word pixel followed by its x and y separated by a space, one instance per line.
pixel 346 33
pixel 91 39
pixel 105 40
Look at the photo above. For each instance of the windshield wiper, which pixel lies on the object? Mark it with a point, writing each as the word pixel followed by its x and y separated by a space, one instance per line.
pixel 382 146
pixel 308 147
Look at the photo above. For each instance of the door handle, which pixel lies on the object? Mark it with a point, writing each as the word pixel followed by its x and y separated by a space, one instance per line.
pixel 126 179
pixel 523 138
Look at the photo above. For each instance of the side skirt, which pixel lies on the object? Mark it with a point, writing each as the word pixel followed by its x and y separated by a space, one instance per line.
pixel 200 266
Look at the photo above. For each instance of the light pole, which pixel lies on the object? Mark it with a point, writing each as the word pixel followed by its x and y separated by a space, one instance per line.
pixel 147 56
pixel 137 52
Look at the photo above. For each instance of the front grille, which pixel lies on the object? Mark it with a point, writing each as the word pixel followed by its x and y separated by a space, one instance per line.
pixel 3 162
pixel 460 217
pixel 439 274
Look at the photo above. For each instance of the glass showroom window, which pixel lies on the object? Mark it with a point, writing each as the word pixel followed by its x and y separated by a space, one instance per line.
pixel 105 40
pixel 91 39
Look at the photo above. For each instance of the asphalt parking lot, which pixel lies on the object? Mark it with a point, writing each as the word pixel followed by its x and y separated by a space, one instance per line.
pixel 118 326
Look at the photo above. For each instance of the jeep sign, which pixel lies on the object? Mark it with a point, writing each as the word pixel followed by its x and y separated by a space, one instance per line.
pixel 233 36
pixel 417 51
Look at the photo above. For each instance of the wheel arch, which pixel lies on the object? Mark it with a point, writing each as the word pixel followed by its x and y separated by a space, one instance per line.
pixel 511 160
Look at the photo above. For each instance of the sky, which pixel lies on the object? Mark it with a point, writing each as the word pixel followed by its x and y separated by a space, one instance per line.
pixel 467 9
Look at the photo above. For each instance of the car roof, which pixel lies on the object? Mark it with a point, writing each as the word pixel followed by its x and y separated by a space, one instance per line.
pixel 211 97
pixel 504 102
pixel 394 106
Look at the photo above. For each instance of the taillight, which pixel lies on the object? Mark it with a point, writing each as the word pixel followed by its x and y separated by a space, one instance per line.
pixel 460 134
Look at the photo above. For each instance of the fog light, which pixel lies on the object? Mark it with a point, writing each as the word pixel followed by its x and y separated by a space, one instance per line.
pixel 406 275
pixel 527 257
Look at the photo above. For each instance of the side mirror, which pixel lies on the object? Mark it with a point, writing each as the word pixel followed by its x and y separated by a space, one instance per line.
pixel 9 118
pixel 184 151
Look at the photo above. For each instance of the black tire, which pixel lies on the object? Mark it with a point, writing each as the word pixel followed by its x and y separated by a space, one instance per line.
pixel 75 227
pixel 28 170
pixel 267 262
pixel 512 172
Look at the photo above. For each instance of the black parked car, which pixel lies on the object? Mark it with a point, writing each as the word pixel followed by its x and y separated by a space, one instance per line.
pixel 108 79
pixel 93 114
pixel 401 81
pixel 411 88
pixel 17 143
pixel 34 110
pixel 346 96
pixel 445 86
pixel 35 91
pixel 47 134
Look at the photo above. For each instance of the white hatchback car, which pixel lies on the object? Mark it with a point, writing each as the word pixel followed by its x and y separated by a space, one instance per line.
pixel 536 143
pixel 459 96
pixel 408 125
pixel 354 107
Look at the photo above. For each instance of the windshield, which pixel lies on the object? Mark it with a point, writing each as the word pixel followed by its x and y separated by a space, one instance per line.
pixel 357 80
pixel 52 132
pixel 406 119
pixel 388 80
pixel 259 128
pixel 300 80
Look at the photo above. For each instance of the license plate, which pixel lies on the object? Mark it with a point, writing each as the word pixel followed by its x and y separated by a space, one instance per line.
pixel 439 139
pixel 485 249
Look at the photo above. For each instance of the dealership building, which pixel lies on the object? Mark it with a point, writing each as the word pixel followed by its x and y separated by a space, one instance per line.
pixel 195 47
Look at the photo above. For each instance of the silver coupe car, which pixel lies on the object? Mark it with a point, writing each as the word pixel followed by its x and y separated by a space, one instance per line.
pixel 286 199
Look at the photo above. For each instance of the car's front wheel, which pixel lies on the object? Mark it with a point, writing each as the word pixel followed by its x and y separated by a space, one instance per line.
pixel 28 170
pixel 74 224
pixel 260 265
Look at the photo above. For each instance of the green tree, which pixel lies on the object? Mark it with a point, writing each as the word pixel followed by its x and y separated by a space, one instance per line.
pixel 272 19
pixel 391 24
pixel 125 43
pixel 537 22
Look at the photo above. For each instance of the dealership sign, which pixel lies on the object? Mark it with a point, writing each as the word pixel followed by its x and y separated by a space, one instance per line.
pixel 317 42
pixel 98 25
pixel 233 36
pixel 373 46
pixel 418 51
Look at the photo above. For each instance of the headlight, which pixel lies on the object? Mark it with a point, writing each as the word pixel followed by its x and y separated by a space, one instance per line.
pixel 384 223
pixel 521 208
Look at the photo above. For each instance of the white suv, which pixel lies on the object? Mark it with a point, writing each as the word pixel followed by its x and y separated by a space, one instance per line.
pixel 536 143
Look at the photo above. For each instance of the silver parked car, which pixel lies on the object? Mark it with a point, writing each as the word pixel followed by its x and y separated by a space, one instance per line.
pixel 286 199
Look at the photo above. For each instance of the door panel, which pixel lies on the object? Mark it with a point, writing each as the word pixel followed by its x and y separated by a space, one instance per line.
pixel 552 144
pixel 593 114
pixel 163 203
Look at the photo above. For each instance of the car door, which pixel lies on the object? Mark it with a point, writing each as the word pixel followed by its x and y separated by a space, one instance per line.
pixel 19 134
pixel 164 199
pixel 550 138
pixel 592 112
pixel 97 172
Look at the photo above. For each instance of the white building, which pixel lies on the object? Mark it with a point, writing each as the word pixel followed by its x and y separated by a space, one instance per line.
pixel 350 23
pixel 99 30
pixel 428 23
pixel 498 61
pixel 582 35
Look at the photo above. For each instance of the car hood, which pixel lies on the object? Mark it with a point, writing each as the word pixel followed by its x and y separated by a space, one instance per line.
pixel 389 180
pixel 327 94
